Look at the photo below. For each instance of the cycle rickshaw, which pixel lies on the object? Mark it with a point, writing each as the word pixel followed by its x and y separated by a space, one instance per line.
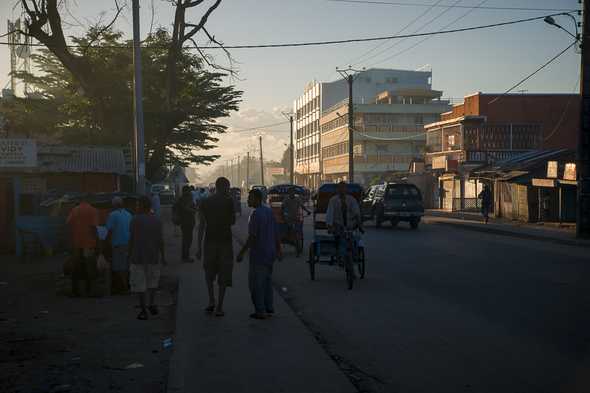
pixel 323 250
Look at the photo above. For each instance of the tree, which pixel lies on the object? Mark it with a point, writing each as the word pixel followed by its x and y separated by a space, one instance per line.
pixel 182 100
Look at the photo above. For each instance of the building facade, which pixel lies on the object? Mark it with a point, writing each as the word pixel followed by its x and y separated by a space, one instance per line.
pixel 488 128
pixel 403 87
pixel 388 131
pixel 306 125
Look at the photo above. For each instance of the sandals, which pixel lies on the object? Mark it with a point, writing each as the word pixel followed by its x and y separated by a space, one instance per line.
pixel 257 316
pixel 210 309
pixel 143 315
pixel 219 314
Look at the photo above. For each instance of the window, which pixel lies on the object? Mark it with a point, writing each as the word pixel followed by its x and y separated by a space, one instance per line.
pixel 401 191
pixel 391 80
pixel 419 119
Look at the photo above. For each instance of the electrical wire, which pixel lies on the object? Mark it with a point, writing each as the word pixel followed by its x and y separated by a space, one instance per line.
pixel 441 14
pixel 459 6
pixel 259 127
pixel 398 32
pixel 329 42
pixel 567 105
pixel 428 37
pixel 533 73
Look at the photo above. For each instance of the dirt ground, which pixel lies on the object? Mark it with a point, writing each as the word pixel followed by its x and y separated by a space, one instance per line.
pixel 51 342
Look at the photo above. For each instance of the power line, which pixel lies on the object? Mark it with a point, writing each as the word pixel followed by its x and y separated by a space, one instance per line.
pixel 534 72
pixel 330 42
pixel 259 127
pixel 398 32
pixel 428 37
pixel 416 31
pixel 453 6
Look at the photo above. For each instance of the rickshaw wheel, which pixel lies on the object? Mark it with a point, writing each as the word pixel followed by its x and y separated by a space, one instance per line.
pixel 361 262
pixel 312 262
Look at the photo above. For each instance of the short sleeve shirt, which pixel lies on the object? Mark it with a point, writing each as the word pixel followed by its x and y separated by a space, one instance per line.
pixel 146 231
pixel 83 220
pixel 219 215
pixel 118 224
pixel 262 228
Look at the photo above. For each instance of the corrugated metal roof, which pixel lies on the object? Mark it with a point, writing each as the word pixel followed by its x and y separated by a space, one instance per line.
pixel 528 161
pixel 79 159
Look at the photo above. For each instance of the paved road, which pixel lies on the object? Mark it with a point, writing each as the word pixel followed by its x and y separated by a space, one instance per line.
pixel 447 310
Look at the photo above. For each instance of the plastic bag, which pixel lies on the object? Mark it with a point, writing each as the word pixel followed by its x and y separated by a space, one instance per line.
pixel 101 263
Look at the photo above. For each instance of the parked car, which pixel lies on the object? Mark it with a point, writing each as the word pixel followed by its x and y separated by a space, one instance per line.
pixel 166 192
pixel 368 202
pixel 397 202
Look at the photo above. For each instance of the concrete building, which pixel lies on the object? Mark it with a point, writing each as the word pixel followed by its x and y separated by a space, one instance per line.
pixel 388 131
pixel 488 128
pixel 400 89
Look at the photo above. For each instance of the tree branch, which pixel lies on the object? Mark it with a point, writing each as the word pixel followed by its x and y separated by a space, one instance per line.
pixel 105 28
pixel 202 22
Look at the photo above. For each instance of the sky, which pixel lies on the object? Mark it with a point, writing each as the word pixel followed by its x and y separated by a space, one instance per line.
pixel 489 60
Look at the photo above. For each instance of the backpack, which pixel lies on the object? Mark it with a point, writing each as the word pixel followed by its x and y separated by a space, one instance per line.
pixel 176 213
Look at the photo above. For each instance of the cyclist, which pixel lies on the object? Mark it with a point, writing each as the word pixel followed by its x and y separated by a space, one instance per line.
pixel 343 215
pixel 291 210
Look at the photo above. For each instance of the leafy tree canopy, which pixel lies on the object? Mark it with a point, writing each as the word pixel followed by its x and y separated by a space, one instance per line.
pixel 62 110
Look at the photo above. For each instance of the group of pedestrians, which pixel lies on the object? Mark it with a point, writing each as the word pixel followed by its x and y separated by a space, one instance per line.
pixel 216 216
pixel 137 249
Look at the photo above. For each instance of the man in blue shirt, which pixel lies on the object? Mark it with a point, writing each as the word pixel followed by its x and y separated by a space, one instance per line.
pixel 265 246
pixel 118 226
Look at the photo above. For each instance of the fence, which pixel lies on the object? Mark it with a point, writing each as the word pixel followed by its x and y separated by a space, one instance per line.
pixel 470 204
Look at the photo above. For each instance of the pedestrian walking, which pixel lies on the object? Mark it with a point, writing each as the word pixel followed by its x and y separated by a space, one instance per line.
pixel 291 209
pixel 216 217
pixel 184 212
pixel 265 246
pixel 118 223
pixel 156 204
pixel 83 223
pixel 486 202
pixel 146 256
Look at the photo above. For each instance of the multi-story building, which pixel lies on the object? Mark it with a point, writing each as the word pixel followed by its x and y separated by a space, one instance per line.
pixel 487 128
pixel 399 89
pixel 388 131
pixel 307 109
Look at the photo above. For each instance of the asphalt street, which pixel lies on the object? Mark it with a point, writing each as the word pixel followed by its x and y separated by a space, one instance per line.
pixel 449 310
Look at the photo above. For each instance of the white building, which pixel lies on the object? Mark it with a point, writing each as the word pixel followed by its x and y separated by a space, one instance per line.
pixel 319 98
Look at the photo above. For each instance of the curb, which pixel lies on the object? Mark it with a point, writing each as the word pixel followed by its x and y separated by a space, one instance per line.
pixel 502 232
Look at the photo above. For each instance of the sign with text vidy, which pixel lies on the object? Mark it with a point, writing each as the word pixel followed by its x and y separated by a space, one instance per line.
pixel 18 153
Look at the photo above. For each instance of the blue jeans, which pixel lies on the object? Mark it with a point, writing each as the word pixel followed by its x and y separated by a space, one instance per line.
pixel 260 283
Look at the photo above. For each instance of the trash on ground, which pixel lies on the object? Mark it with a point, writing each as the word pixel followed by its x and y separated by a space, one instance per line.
pixel 134 365
pixel 44 312
pixel 284 289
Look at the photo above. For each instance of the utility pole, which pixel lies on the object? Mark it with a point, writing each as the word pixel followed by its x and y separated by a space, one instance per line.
pixel 291 158
pixel 247 171
pixel 238 183
pixel 348 75
pixel 583 151
pixel 138 106
pixel 261 161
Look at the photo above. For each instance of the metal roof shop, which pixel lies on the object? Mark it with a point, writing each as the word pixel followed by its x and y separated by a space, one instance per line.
pixel 32 172
pixel 538 186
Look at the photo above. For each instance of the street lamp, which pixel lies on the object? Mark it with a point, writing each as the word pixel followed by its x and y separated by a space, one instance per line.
pixel 550 20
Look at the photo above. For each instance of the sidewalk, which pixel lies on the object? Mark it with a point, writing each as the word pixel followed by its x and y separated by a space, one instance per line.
pixel 473 221
pixel 235 354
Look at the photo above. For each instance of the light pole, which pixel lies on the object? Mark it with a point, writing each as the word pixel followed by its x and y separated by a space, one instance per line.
pixel 289 116
pixel 348 75
pixel 583 150
pixel 138 139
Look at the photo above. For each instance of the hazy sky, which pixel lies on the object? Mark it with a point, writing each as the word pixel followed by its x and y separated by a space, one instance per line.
pixel 488 60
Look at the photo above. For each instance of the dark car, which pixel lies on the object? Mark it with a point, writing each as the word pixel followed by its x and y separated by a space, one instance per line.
pixel 395 202
pixel 368 202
